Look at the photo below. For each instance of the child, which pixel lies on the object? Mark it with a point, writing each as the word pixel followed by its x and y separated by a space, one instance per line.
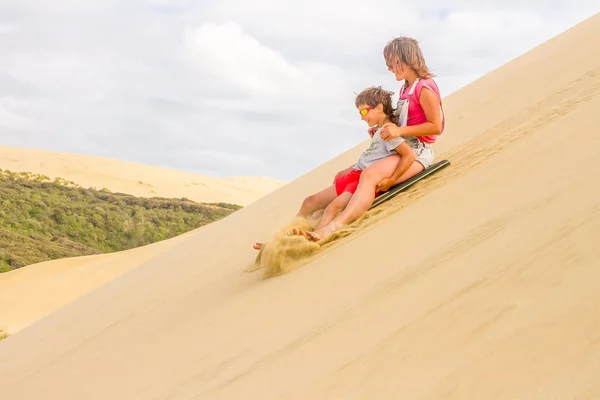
pixel 419 120
pixel 375 107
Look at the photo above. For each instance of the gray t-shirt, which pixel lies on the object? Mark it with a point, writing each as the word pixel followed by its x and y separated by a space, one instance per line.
pixel 378 149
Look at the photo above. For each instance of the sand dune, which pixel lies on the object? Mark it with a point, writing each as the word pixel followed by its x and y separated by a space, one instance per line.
pixel 479 283
pixel 30 293
pixel 136 179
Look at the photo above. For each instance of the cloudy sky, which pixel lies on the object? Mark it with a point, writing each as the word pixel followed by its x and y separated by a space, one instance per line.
pixel 235 87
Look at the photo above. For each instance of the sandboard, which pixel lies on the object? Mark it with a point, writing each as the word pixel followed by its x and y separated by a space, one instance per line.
pixel 394 190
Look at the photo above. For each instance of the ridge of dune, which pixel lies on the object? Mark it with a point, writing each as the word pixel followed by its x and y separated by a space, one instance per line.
pixel 135 178
pixel 481 282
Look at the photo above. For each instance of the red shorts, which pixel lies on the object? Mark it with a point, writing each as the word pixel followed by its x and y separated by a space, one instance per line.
pixel 348 182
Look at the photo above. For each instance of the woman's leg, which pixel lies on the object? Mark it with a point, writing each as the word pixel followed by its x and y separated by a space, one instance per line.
pixel 365 193
pixel 414 169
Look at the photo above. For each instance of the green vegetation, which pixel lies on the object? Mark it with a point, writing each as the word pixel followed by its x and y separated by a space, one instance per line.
pixel 3 335
pixel 43 220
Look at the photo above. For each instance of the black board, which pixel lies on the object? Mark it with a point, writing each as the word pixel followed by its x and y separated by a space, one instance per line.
pixel 394 190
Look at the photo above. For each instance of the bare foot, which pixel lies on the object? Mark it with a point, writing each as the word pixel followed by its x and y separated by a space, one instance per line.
pixel 325 231
pixel 297 232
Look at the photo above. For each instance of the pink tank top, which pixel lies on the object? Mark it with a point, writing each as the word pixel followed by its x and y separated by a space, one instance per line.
pixel 416 115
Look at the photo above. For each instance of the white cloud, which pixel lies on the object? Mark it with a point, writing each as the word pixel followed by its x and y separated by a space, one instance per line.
pixel 326 23
pixel 233 58
pixel 269 83
pixel 228 54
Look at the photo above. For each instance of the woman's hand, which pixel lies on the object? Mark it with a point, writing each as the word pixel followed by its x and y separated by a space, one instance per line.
pixel 391 131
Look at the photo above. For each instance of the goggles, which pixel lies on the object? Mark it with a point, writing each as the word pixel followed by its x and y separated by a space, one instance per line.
pixel 365 110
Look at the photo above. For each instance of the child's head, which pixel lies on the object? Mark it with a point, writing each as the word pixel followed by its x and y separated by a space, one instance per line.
pixel 375 106
pixel 402 55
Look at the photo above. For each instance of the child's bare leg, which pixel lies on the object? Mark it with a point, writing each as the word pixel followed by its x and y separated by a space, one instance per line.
pixel 334 209
pixel 317 201
pixel 311 204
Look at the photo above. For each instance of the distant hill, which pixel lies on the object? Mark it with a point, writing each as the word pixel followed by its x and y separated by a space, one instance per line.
pixel 43 220
pixel 135 178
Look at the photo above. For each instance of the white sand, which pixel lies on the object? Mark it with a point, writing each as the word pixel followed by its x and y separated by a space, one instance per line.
pixel 481 283
pixel 136 179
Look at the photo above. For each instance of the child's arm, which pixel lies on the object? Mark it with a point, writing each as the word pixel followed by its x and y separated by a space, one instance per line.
pixel 407 159
pixel 432 127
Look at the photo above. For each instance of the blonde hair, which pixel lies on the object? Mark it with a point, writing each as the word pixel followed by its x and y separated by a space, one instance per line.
pixel 375 95
pixel 407 50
